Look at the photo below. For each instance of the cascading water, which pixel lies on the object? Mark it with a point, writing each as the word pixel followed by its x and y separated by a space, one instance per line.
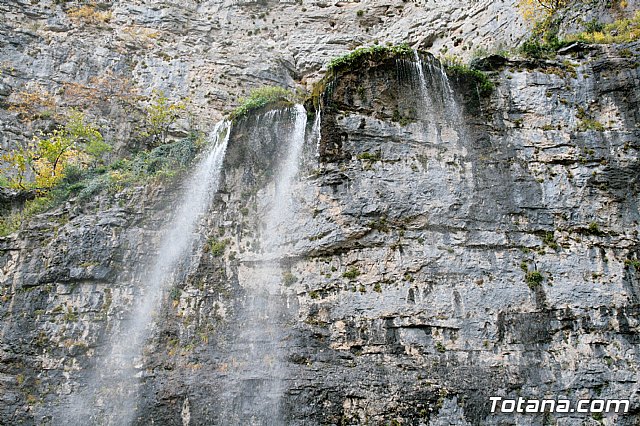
pixel 316 130
pixel 281 209
pixel 255 382
pixel 110 395
pixel 437 109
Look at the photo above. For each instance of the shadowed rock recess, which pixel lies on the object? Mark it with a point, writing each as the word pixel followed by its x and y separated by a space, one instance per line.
pixel 443 244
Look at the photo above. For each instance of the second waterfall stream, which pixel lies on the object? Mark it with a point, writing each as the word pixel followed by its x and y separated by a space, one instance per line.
pixel 257 372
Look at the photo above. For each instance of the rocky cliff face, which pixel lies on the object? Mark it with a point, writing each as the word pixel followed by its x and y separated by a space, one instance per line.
pixel 102 56
pixel 446 243
pixel 445 247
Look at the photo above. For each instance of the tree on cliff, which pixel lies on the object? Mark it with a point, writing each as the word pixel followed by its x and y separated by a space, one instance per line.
pixel 537 10
pixel 47 156
pixel 546 16
pixel 159 115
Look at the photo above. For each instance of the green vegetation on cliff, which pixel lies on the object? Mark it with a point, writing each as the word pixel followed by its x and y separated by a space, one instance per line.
pixel 356 59
pixel 620 31
pixel 74 158
pixel 546 17
pixel 77 143
pixel 261 97
pixel 161 163
pixel 363 55
pixel 458 70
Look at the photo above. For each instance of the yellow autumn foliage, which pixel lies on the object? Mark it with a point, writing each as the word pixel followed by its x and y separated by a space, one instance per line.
pixel 32 103
pixel 160 114
pixel 41 165
pixel 89 14
pixel 48 174
pixel 619 31
pixel 537 10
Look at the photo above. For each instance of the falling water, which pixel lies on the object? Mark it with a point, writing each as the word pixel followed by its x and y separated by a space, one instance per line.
pixel 436 70
pixel 110 395
pixel 437 109
pixel 256 378
pixel 281 209
pixel 418 65
pixel 316 131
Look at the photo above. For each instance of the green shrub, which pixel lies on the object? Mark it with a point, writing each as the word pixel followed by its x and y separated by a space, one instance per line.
pixel 534 48
pixel 352 273
pixel 533 279
pixel 376 156
pixel 175 294
pixel 590 124
pixel 163 161
pixel 620 31
pixel 549 240
pixel 288 279
pixel 49 154
pixel 9 224
pixel 12 221
pixel 159 116
pixel 261 97
pixel 593 26
pixel 92 187
pixel 217 247
pixel 364 54
pixel 403 120
pixel 380 224
pixel 482 82
pixel 594 229
pixel 544 41
pixel 632 262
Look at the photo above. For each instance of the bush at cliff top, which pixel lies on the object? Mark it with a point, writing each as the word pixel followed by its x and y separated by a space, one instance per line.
pixel 619 31
pixel 373 53
pixel 259 98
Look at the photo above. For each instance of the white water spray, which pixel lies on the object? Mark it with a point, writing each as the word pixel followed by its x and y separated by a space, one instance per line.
pixel 316 130
pixel 438 113
pixel 110 395
pixel 280 212
pixel 257 374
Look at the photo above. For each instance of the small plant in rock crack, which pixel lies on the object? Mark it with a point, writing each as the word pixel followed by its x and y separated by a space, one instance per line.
pixel 289 279
pixel 534 279
pixel 217 247
pixel 352 273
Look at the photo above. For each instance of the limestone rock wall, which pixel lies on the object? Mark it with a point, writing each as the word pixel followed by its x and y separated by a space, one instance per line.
pixel 409 293
pixel 101 57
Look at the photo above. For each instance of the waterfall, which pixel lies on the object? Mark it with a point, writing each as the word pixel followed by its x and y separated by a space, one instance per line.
pixel 256 374
pixel 281 208
pixel 438 113
pixel 418 65
pixel 317 131
pixel 110 394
